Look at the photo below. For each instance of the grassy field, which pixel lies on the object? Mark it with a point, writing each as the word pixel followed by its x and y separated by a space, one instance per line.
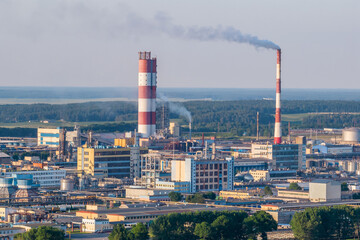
pixel 298 117
pixel 294 117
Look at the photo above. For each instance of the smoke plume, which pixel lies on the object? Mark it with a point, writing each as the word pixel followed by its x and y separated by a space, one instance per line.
pixel 177 108
pixel 162 24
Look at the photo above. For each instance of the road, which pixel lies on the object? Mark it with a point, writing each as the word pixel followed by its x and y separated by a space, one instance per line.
pixel 91 236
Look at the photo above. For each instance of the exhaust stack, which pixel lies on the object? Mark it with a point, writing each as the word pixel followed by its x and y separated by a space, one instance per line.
pixel 147 95
pixel 190 130
pixel 277 130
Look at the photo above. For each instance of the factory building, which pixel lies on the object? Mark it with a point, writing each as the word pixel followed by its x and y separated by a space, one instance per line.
pixel 325 148
pixel 147 95
pixel 323 190
pixel 48 137
pixel 162 116
pixel 52 137
pixel 45 178
pixel 103 162
pixel 204 174
pixel 175 129
pixel 282 156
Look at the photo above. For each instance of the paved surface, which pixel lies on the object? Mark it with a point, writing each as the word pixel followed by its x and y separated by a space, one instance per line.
pixel 91 236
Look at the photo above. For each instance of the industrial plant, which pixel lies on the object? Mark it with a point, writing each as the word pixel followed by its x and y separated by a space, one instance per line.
pixel 107 178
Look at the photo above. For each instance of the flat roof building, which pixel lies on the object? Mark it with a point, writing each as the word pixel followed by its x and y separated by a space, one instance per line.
pixel 103 162
pixel 323 190
pixel 204 174
pixel 282 156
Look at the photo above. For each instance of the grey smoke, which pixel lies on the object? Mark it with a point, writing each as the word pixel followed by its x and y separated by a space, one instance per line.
pixel 163 24
pixel 177 108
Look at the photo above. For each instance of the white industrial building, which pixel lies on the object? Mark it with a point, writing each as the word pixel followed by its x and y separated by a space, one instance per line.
pixel 51 136
pixel 45 178
pixel 323 190
pixel 332 148
pixel 96 225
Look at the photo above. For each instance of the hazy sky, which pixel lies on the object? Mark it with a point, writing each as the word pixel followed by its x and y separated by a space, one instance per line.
pixel 95 42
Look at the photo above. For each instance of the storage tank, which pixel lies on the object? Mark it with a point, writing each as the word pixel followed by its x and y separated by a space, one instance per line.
pixel 25 183
pixel 351 135
pixel 66 184
pixel 6 182
pixel 6 188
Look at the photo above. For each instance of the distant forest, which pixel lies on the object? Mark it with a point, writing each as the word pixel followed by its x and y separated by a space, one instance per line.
pixel 237 117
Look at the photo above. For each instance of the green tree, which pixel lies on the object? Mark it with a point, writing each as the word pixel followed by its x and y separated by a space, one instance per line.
pixel 343 222
pixel 119 232
pixel 356 196
pixel 203 230
pixel 294 186
pixel 321 223
pixel 140 232
pixel 175 196
pixel 42 233
pixel 209 195
pixel 355 216
pixel 221 228
pixel 268 191
pixel 195 198
pixel 260 223
pixel 344 186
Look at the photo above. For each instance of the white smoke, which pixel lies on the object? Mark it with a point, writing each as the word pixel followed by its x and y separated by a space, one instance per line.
pixel 177 108
pixel 162 24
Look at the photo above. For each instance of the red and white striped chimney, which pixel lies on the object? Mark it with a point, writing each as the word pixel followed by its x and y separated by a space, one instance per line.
pixel 147 95
pixel 277 130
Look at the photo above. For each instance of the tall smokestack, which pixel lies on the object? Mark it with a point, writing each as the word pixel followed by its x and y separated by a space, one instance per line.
pixel 147 95
pixel 277 131
pixel 257 126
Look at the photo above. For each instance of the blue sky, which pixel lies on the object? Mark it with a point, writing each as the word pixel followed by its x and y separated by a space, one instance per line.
pixel 95 43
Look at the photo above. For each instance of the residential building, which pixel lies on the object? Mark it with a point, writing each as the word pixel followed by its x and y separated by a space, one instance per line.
pixel 103 162
pixel 282 156
pixel 323 190
pixel 204 174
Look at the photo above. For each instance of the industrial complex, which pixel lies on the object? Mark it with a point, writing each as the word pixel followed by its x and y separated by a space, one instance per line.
pixel 128 177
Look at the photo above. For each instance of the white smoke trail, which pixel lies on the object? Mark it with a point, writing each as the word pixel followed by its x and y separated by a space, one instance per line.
pixel 177 108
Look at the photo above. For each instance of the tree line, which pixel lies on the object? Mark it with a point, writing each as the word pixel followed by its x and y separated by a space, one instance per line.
pixel 337 222
pixel 210 225
pixel 237 117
